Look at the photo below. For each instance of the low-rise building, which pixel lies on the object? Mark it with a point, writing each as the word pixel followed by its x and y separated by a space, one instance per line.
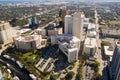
pixel 86 22
pixel 91 34
pixel 29 42
pixel 68 44
pixel 108 52
pixel 55 31
pixel 90 46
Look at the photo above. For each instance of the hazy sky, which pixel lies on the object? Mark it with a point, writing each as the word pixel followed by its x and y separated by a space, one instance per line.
pixel 68 0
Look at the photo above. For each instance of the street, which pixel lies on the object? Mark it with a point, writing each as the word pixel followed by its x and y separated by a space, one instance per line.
pixel 22 73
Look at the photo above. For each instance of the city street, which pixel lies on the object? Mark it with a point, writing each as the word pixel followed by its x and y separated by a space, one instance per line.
pixel 102 69
pixel 22 73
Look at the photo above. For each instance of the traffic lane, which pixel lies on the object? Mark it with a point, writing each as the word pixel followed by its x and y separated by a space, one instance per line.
pixel 13 63
pixel 20 73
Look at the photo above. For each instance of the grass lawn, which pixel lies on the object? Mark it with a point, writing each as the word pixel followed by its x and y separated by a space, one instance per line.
pixel 30 57
pixel 115 22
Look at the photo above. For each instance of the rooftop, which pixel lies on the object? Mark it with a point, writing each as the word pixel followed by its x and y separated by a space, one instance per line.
pixel 108 51
pixel 91 26
pixel 27 38
pixel 68 16
pixel 90 42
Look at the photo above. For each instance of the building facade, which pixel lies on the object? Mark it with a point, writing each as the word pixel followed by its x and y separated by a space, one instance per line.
pixel 77 30
pixel 90 46
pixel 6 34
pixel 68 44
pixel 62 14
pixel 115 63
pixel 33 23
pixel 29 42
pixel 68 24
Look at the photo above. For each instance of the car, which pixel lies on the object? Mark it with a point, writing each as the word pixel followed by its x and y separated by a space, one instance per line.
pixel 13 59
pixel 8 64
pixel 6 56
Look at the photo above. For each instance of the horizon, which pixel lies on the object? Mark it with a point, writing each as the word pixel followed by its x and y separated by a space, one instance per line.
pixel 59 0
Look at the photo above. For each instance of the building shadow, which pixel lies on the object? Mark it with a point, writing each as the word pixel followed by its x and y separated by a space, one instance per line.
pixel 61 61
pixel 105 74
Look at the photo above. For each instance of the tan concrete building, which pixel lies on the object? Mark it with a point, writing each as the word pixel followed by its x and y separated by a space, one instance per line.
pixel 77 29
pixel 29 42
pixel 6 34
pixel 55 31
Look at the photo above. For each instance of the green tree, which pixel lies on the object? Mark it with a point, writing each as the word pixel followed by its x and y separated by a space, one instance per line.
pixel 84 56
pixel 70 75
pixel 96 76
pixel 79 75
pixel 53 77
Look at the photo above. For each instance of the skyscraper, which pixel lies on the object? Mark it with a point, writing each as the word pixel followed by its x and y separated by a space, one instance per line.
pixel 68 24
pixel 33 23
pixel 62 14
pixel 5 33
pixel 77 29
pixel 115 64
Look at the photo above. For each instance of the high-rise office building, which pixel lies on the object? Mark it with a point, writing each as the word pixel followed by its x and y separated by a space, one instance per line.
pixel 62 14
pixel 77 29
pixel 5 33
pixel 68 24
pixel 115 64
pixel 33 23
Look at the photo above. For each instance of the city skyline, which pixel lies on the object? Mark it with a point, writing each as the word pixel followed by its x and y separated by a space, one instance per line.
pixel 63 0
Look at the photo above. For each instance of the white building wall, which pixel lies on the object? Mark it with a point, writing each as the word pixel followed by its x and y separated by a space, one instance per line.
pixel 5 35
pixel 72 55
pixel 68 24
pixel 27 44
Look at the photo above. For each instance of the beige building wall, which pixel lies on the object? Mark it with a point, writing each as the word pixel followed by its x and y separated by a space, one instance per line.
pixel 6 33
pixel 77 29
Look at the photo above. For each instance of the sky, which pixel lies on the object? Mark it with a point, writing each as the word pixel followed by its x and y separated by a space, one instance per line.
pixel 69 0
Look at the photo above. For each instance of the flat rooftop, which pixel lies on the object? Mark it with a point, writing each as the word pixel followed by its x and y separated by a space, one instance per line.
pixel 90 42
pixel 108 51
pixel 27 38
pixel 91 26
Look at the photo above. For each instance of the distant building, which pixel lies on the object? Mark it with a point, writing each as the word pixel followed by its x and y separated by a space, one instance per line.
pixel 55 31
pixel 91 30
pixel 29 42
pixel 114 67
pixel 68 44
pixel 110 33
pixel 33 23
pixel 68 24
pixel 77 29
pixel 108 52
pixel 51 30
pixel 49 27
pixel 90 46
pixel 6 34
pixel 86 23
pixel 62 14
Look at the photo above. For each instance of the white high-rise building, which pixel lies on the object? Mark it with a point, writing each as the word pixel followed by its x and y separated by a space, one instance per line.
pixel 77 30
pixel 68 24
pixel 68 44
pixel 6 33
